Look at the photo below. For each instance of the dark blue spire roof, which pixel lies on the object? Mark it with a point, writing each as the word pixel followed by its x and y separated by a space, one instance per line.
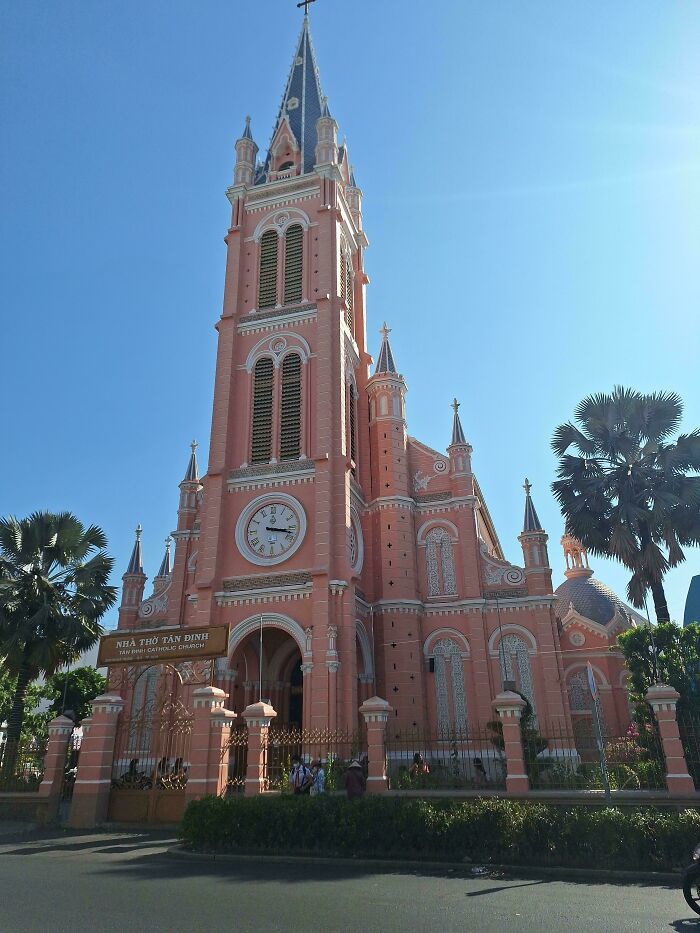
pixel 192 474
pixel 457 432
pixel 385 363
pixel 531 522
pixel 246 132
pixel 165 566
pixel 303 100
pixel 136 563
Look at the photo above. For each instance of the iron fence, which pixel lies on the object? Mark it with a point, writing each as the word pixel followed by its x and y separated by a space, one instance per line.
pixel 22 764
pixel 689 728
pixel 235 756
pixel 557 758
pixel 457 759
pixel 152 749
pixel 335 748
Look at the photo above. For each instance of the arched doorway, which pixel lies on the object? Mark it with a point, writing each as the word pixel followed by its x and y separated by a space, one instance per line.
pixel 277 680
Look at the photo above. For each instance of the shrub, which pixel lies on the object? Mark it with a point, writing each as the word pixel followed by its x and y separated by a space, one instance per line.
pixel 482 830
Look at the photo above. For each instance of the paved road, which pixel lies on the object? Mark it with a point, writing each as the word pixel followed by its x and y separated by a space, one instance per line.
pixel 119 882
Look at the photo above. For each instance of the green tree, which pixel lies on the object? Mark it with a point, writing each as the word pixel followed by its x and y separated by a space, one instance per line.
pixel 677 657
pixel 81 686
pixel 627 492
pixel 53 593
pixel 7 690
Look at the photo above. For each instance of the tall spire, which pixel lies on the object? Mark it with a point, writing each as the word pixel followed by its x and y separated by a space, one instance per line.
pixel 302 103
pixel 385 363
pixel 165 566
pixel 136 563
pixel 192 474
pixel 531 522
pixel 457 432
pixel 246 132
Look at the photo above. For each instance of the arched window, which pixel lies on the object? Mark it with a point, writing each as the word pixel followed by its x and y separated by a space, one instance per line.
pixel 261 443
pixel 346 290
pixel 352 424
pixel 293 263
pixel 290 408
pixel 267 288
pixel 515 665
pixel 449 687
pixel 578 694
pixel 440 563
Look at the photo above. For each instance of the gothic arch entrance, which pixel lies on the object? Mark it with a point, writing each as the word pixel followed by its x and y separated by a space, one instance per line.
pixel 278 679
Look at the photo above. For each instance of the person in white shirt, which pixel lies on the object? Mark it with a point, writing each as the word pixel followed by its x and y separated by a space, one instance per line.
pixel 300 778
pixel 319 777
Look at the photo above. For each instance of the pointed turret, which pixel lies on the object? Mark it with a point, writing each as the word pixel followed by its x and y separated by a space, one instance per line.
pixel 460 450
pixel 246 152
pixel 457 432
pixel 531 522
pixel 533 541
pixel 189 490
pixel 192 474
pixel 165 567
pixel 302 106
pixel 385 362
pixel 133 584
pixel 136 562
pixel 327 152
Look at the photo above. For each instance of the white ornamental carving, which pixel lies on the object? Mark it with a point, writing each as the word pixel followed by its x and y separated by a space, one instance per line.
pixel 440 466
pixel 513 652
pixel 440 563
pixel 500 572
pixel 420 481
pixel 155 605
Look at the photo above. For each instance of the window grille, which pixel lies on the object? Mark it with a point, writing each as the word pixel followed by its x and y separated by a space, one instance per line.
pixel 261 445
pixel 290 408
pixel 351 424
pixel 346 290
pixel 267 289
pixel 293 263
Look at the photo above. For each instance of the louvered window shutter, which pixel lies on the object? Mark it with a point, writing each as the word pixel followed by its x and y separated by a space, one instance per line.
pixel 290 408
pixel 261 445
pixel 267 290
pixel 352 425
pixel 348 295
pixel 293 263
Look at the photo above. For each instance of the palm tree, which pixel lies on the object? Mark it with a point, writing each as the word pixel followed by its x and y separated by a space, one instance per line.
pixel 627 492
pixel 53 593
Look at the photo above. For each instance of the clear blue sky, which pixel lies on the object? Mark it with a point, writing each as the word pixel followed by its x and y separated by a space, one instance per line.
pixel 531 174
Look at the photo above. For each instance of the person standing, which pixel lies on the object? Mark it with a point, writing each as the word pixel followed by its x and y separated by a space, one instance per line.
pixel 355 781
pixel 318 773
pixel 300 777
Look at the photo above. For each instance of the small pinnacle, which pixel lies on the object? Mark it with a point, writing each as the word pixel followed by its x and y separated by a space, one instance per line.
pixel 194 445
pixel 247 120
pixel 527 486
pixel 139 529
pixel 168 542
pixel 385 331
pixel 455 405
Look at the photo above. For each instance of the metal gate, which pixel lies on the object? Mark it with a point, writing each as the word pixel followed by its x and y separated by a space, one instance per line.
pixel 150 765
pixel 236 755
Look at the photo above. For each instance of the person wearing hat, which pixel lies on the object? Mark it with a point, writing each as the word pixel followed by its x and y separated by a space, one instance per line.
pixel 355 781
pixel 319 778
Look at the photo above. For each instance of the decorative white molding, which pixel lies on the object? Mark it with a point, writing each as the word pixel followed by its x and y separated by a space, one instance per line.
pixel 269 620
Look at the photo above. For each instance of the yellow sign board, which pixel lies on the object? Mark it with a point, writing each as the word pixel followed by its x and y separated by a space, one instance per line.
pixel 164 644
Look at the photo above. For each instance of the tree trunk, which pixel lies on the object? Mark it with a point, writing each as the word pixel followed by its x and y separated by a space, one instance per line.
pixel 660 604
pixel 14 726
pixel 16 717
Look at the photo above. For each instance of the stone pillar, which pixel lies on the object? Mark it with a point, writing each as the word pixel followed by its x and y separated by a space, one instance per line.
pixel 94 778
pixel 376 713
pixel 258 717
pixel 663 700
pixel 211 727
pixel 60 731
pixel 509 707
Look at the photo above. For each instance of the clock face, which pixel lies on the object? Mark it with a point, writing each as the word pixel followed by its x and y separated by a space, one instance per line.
pixel 270 529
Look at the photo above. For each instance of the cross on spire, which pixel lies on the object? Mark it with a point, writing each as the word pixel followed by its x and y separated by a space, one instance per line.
pixel 527 486
pixel 455 405
pixel 306 4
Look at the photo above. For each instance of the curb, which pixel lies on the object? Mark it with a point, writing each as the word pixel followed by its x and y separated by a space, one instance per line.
pixel 554 872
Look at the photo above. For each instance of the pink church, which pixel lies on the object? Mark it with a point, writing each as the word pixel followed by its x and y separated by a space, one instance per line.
pixel 369 559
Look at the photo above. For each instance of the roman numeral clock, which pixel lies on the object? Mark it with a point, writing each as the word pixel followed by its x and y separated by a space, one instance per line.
pixel 270 529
